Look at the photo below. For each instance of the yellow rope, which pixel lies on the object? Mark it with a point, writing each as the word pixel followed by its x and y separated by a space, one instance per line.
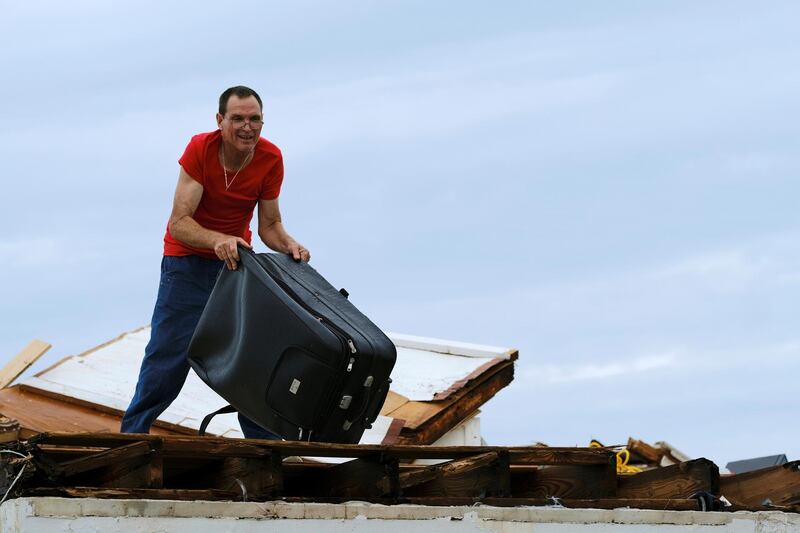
pixel 623 456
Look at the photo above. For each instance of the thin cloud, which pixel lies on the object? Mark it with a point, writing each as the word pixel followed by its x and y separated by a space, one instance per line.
pixel 729 263
pixel 758 263
pixel 415 105
pixel 594 372
pixel 46 253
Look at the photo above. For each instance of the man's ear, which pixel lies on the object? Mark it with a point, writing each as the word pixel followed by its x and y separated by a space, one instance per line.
pixel 219 121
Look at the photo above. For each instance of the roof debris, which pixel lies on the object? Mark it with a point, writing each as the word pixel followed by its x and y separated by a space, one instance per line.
pixel 89 392
pixel 59 430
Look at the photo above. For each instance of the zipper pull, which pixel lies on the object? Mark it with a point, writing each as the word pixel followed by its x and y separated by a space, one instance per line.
pixel 351 345
pixel 350 364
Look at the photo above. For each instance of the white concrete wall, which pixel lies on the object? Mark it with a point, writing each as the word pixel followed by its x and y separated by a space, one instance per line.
pixel 60 515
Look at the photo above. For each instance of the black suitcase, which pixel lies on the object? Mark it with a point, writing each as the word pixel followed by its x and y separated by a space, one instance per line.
pixel 290 352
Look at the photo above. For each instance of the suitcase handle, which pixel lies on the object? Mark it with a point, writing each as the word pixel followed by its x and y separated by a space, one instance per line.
pixel 207 420
pixel 362 409
pixel 378 400
pixel 365 403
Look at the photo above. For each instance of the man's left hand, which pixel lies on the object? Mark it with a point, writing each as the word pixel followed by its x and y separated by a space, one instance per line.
pixel 299 252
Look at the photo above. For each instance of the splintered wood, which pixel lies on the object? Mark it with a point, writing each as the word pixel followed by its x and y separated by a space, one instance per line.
pixel 117 465
pixel 776 486
pixel 208 468
pixel 22 361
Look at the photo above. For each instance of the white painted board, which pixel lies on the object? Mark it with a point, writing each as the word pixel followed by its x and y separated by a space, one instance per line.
pixel 107 376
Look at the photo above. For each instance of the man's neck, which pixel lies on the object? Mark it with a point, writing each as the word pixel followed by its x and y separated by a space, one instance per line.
pixel 233 157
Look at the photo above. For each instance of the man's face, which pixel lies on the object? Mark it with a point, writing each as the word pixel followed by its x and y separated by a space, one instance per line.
pixel 241 125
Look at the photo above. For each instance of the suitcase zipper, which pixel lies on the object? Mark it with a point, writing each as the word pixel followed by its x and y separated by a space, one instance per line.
pixel 347 345
pixel 310 290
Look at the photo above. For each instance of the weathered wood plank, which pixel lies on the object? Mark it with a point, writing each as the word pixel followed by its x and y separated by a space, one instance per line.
pixel 90 439
pixel 392 402
pixel 412 478
pixel 105 458
pixel 132 473
pixel 367 477
pixel 479 476
pixel 258 478
pixel 135 493
pixel 778 484
pixel 456 407
pixel 49 467
pixel 648 454
pixel 201 447
pixel 39 411
pixel 561 456
pixel 155 472
pixel 204 446
pixel 676 481
pixel 574 482
pixel 22 361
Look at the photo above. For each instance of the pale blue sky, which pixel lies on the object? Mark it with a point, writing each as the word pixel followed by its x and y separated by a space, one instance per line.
pixel 609 187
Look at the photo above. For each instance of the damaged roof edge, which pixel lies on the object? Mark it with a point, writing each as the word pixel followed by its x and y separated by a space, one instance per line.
pixel 451 347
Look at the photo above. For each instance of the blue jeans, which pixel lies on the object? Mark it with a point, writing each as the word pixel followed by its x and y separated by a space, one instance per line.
pixel 186 284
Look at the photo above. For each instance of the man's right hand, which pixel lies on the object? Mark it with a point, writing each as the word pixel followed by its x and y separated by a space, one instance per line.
pixel 226 249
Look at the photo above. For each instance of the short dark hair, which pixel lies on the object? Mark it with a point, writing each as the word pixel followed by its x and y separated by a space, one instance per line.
pixel 242 92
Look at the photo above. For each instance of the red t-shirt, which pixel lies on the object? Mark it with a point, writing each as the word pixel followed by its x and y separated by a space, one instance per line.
pixel 227 211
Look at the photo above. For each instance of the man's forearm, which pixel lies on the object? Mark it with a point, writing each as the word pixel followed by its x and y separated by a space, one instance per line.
pixel 276 238
pixel 188 231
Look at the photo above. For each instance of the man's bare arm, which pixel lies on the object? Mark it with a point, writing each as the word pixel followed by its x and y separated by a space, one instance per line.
pixel 274 235
pixel 185 228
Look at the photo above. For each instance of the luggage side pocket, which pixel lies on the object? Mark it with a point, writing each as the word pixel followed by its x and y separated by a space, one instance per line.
pixel 299 385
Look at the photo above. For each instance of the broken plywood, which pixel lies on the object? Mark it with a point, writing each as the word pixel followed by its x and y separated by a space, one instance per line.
pixel 22 361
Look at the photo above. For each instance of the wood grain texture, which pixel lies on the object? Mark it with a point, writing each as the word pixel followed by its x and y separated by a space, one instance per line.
pixel 38 412
pixel 373 476
pixel 125 465
pixel 417 476
pixel 136 493
pixel 221 446
pixel 428 423
pixel 560 456
pixel 676 481
pixel 393 401
pixel 22 361
pixel 104 458
pixel 641 452
pixel 575 482
pixel 477 476
pixel 261 477
pixel 417 414
pixel 778 484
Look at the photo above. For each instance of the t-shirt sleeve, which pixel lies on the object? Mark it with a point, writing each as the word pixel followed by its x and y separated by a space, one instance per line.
pixel 271 187
pixel 192 159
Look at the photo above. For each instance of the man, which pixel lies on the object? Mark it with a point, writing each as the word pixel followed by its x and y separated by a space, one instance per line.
pixel 224 175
